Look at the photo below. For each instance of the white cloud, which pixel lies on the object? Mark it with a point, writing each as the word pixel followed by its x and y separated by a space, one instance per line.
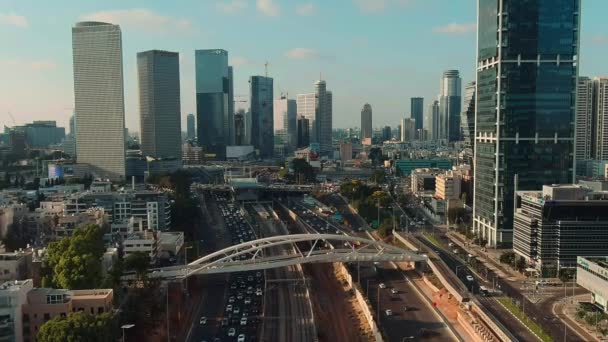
pixel 306 9
pixel 302 53
pixel 13 19
pixel 24 65
pixel 238 61
pixel 375 6
pixel 268 7
pixel 231 6
pixel 140 18
pixel 455 28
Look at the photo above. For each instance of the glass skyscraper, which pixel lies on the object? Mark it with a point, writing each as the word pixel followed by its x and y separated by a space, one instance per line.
pixel 262 112
pixel 214 101
pixel 159 104
pixel 190 127
pixel 527 67
pixel 467 122
pixel 366 122
pixel 417 113
pixel 450 105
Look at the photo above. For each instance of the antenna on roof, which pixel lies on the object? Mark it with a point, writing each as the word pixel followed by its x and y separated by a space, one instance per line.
pixel 266 69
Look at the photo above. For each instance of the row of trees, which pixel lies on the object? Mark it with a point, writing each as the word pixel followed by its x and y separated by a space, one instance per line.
pixel 80 326
pixel 370 201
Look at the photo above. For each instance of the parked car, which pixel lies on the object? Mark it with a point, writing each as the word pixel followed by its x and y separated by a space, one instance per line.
pixel 382 285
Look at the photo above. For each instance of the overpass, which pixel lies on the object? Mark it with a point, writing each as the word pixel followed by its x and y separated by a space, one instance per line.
pixel 249 256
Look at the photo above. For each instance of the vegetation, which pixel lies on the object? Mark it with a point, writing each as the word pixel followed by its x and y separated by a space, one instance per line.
pixel 432 239
pixel 79 326
pixel 517 312
pixel 302 170
pixel 378 176
pixel 366 199
pixel 507 258
pixel 74 262
pixel 386 228
pixel 138 262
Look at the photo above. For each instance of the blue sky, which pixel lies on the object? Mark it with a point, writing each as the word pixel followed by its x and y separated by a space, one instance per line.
pixel 377 51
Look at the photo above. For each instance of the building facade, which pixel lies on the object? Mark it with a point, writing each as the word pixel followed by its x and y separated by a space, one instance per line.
pixel 592 274
pixel 159 104
pixel 214 101
pixel 42 133
pixel 417 113
pixel 99 98
pixel 521 133
pixel 584 119
pixel 467 122
pixel 600 119
pixel 191 127
pixel 306 107
pixel 262 112
pixel 450 106
pixel 285 111
pixel 432 122
pixel 303 128
pixel 324 114
pixel 366 122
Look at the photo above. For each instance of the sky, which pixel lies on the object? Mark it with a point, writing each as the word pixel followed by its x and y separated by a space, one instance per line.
pixel 377 51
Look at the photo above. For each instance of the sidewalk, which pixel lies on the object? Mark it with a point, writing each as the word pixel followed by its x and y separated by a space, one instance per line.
pixel 490 258
pixel 566 311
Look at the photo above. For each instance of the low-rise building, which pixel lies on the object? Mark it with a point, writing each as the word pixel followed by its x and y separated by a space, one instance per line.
pixel 16 265
pixel 145 242
pixel 448 185
pixel 592 274
pixel 12 296
pixel 554 226
pixel 423 181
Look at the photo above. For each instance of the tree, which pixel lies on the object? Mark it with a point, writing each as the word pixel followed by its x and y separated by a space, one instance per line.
pixel 79 326
pixel 521 264
pixel 507 258
pixel 75 261
pixel 386 228
pixel 378 176
pixel 302 170
pixel 138 262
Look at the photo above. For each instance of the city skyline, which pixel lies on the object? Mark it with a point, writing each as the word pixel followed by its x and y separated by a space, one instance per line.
pixel 293 65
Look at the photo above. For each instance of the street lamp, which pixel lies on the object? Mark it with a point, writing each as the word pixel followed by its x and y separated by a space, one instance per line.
pixel 125 327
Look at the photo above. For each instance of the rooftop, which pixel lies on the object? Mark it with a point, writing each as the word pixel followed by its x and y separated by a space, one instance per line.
pixel 15 285
pixel 601 261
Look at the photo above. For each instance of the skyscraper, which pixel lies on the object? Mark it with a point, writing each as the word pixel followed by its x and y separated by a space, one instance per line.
pixel 306 106
pixel 600 119
pixel 366 122
pixel 214 98
pixel 408 129
pixel 99 98
pixel 386 133
pixel 239 127
pixel 450 105
pixel 324 116
pixel 303 132
pixel 417 113
pixel 261 101
pixel 190 127
pixel 432 121
pixel 159 104
pixel 72 125
pixel 285 111
pixel 467 122
pixel 526 77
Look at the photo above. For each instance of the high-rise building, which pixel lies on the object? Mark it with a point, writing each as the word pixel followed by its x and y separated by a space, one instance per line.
pixel 408 129
pixel 467 122
pixel 417 113
pixel 306 105
pixel 239 127
pixel 73 125
pixel 386 133
pixel 450 105
pixel 600 119
pixel 432 122
pixel 42 133
pixel 303 132
pixel 261 101
pixel 99 98
pixel 324 115
pixel 214 101
pixel 526 86
pixel 366 122
pixel 285 111
pixel 190 127
pixel 584 119
pixel 159 104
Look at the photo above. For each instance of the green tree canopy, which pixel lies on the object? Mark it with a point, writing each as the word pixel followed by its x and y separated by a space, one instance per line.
pixel 138 262
pixel 302 170
pixel 79 326
pixel 75 261
pixel 378 176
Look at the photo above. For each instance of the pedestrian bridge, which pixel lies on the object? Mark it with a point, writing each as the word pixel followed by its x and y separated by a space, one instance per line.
pixel 262 254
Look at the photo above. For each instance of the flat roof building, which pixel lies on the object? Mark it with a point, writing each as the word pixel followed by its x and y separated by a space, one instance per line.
pixel 592 274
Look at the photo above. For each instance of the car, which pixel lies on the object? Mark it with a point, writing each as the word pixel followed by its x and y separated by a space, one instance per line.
pixel 231 299
pixel 239 296
pixel 382 286
pixel 231 332
pixel 244 321
pixel 236 310
pixel 258 292
pixel 229 308
pixel 241 338
pixel 394 291
pixel 388 312
pixel 470 278
pixel 451 244
pixel 248 300
pixel 203 320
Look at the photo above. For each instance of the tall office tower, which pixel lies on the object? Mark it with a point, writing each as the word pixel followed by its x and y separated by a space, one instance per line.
pixel 366 122
pixel 524 137
pixel 584 119
pixel 306 105
pixel 159 104
pixel 261 101
pixel 231 105
pixel 467 122
pixel 214 98
pixel 239 127
pixel 386 133
pixel 417 113
pixel 285 121
pixel 408 129
pixel 450 105
pixel 190 127
pixel 324 116
pixel 72 125
pixel 99 98
pixel 600 118
pixel 303 128
pixel 431 121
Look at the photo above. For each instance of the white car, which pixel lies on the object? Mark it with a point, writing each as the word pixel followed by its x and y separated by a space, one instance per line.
pixel 203 320
pixel 394 291
pixel 258 292
pixel 231 332
pixel 236 310
pixel 244 321
pixel 382 286
pixel 388 312
pixel 470 278
pixel 241 338
pixel 229 308
pixel 248 300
